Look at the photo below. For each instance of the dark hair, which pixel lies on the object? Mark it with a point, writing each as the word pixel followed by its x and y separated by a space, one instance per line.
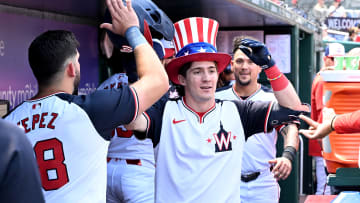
pixel 49 52
pixel 184 68
pixel 182 71
pixel 237 41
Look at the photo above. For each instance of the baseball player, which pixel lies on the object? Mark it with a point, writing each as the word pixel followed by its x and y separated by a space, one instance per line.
pixel 131 164
pixel 199 140
pixel 260 149
pixel 19 175
pixel 68 132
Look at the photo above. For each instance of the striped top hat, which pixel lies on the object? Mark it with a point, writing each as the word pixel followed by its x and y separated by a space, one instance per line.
pixel 195 40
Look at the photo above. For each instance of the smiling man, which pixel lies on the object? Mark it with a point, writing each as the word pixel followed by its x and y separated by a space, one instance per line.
pixel 199 140
pixel 259 158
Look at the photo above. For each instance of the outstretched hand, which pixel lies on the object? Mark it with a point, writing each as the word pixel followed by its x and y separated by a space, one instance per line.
pixel 318 130
pixel 123 17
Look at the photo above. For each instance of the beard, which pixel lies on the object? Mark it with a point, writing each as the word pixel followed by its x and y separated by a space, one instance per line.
pixel 76 83
pixel 241 82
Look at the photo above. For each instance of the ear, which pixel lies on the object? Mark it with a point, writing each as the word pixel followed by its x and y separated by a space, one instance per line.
pixel 181 79
pixel 232 65
pixel 259 70
pixel 70 70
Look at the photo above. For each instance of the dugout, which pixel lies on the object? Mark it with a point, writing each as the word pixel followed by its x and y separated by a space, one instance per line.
pixel 287 33
pixel 25 19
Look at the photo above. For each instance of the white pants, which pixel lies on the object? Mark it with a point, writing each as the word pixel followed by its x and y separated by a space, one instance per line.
pixel 264 188
pixel 130 183
pixel 321 187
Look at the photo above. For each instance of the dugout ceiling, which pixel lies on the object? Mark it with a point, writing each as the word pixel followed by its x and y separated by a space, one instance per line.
pixel 230 13
pixel 236 13
pixel 80 8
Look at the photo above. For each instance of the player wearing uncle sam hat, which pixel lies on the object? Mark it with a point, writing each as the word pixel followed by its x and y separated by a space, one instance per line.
pixel 199 140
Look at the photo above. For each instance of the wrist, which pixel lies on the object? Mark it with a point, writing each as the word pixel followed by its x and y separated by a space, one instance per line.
pixel 277 79
pixel 270 64
pixel 289 153
pixel 134 37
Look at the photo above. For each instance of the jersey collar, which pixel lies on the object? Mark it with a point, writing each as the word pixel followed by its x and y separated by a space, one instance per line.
pixel 249 97
pixel 199 115
pixel 40 98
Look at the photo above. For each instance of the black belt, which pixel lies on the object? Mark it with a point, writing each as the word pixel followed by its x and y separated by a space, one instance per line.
pixel 249 177
pixel 252 176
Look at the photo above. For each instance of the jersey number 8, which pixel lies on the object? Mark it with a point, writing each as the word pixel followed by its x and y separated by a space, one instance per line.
pixel 50 158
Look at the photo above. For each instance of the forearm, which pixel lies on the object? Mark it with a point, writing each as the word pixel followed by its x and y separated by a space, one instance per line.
pixel 283 89
pixel 291 138
pixel 347 123
pixel 153 81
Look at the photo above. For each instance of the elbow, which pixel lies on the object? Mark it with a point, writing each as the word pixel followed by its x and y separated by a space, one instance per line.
pixel 164 83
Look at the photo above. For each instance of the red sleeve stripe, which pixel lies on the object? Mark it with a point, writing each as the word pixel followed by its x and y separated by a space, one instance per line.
pixel 280 128
pixel 267 116
pixel 148 122
pixel 136 103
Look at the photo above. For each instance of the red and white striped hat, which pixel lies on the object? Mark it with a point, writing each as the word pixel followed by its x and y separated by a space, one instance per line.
pixel 195 40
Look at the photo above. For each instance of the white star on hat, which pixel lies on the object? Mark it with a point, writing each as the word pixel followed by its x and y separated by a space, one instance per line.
pixel 186 53
pixel 202 50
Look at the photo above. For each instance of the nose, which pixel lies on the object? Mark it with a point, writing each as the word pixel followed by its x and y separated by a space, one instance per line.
pixel 245 66
pixel 206 76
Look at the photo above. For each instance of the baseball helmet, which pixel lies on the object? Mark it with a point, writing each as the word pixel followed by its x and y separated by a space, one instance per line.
pixel 150 16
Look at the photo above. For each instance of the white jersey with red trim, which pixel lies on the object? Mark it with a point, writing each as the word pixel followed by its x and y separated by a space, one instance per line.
pixel 261 147
pixel 123 143
pixel 199 157
pixel 67 134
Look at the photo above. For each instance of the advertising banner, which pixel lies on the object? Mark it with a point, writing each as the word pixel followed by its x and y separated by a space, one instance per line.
pixel 341 24
pixel 17 82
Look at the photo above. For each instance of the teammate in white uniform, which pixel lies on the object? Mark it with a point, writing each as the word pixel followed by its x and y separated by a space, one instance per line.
pixel 131 164
pixel 67 132
pixel 260 148
pixel 200 139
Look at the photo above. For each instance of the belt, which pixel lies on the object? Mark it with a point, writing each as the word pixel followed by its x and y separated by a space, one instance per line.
pixel 249 177
pixel 128 161
pixel 252 176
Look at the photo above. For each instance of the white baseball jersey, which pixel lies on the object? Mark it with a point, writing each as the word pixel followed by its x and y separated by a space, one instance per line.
pixel 123 144
pixel 65 130
pixel 199 155
pixel 260 148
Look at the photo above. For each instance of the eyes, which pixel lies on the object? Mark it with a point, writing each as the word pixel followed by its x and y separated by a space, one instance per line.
pixel 198 71
pixel 241 61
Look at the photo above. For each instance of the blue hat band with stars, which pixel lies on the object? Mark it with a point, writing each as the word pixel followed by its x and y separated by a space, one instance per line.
pixel 197 47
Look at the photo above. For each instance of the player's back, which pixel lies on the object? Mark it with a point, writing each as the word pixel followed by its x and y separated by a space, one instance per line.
pixel 70 152
pixel 123 143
